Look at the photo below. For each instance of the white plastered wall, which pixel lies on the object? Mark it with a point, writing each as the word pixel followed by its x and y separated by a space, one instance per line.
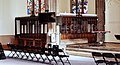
pixel 9 9
pixel 63 6
pixel 112 20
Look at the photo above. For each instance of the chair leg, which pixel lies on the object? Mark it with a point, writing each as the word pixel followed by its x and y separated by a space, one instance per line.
pixel 96 63
pixel 17 55
pixel 30 56
pixel 42 58
pixel 48 59
pixel 55 60
pixel 25 54
pixel 20 54
pixel 14 53
pixel 68 61
pixel 9 54
pixel 36 57
pixel 61 60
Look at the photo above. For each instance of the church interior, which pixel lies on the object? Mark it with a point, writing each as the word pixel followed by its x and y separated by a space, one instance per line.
pixel 38 30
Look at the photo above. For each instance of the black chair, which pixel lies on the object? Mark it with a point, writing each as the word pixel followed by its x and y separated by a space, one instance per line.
pixel 117 56
pixel 48 53
pixel 13 50
pixel 19 49
pixel 38 50
pixel 98 58
pixel 2 55
pixel 109 59
pixel 60 53
pixel 27 52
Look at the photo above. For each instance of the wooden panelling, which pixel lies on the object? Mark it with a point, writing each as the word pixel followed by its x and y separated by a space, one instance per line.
pixel 30 31
pixel 91 37
pixel 73 27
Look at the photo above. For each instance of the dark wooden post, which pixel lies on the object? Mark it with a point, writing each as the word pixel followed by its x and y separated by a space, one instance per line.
pixel 39 6
pixel 82 7
pixel 33 13
pixel 76 6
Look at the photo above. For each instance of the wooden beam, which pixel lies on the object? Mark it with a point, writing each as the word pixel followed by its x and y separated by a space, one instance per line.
pixel 39 6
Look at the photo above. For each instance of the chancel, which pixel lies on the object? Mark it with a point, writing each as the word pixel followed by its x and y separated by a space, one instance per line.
pixel 61 32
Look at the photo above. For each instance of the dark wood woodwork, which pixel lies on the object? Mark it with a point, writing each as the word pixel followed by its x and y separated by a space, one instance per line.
pixel 76 7
pixel 30 31
pixel 39 6
pixel 82 6
pixel 33 30
pixel 74 27
pixel 90 36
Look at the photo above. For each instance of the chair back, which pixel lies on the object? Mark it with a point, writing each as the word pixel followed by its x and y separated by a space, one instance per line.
pixel 96 54
pixel 55 49
pixel 109 58
pixel 108 55
pixel 117 56
pixel 98 57
pixel 49 46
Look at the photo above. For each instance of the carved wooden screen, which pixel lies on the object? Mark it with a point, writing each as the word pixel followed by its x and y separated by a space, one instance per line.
pixel 73 27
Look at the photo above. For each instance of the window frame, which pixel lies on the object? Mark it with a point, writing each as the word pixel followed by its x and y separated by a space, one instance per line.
pixel 82 6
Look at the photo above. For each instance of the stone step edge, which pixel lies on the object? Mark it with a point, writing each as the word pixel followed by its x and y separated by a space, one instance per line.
pixel 90 50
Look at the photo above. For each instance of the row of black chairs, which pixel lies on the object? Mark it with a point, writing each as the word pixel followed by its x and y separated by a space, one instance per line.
pixel 107 58
pixel 49 53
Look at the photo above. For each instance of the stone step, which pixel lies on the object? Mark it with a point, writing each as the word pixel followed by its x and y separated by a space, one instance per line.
pixel 86 49
pixel 84 54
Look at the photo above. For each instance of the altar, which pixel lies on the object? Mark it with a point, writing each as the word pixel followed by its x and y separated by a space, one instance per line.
pixel 77 26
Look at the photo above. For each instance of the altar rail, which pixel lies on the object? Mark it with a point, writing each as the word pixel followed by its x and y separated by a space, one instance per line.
pixel 30 31
pixel 75 27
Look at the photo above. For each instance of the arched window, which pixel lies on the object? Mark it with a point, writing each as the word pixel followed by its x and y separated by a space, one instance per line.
pixel 79 6
pixel 39 6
